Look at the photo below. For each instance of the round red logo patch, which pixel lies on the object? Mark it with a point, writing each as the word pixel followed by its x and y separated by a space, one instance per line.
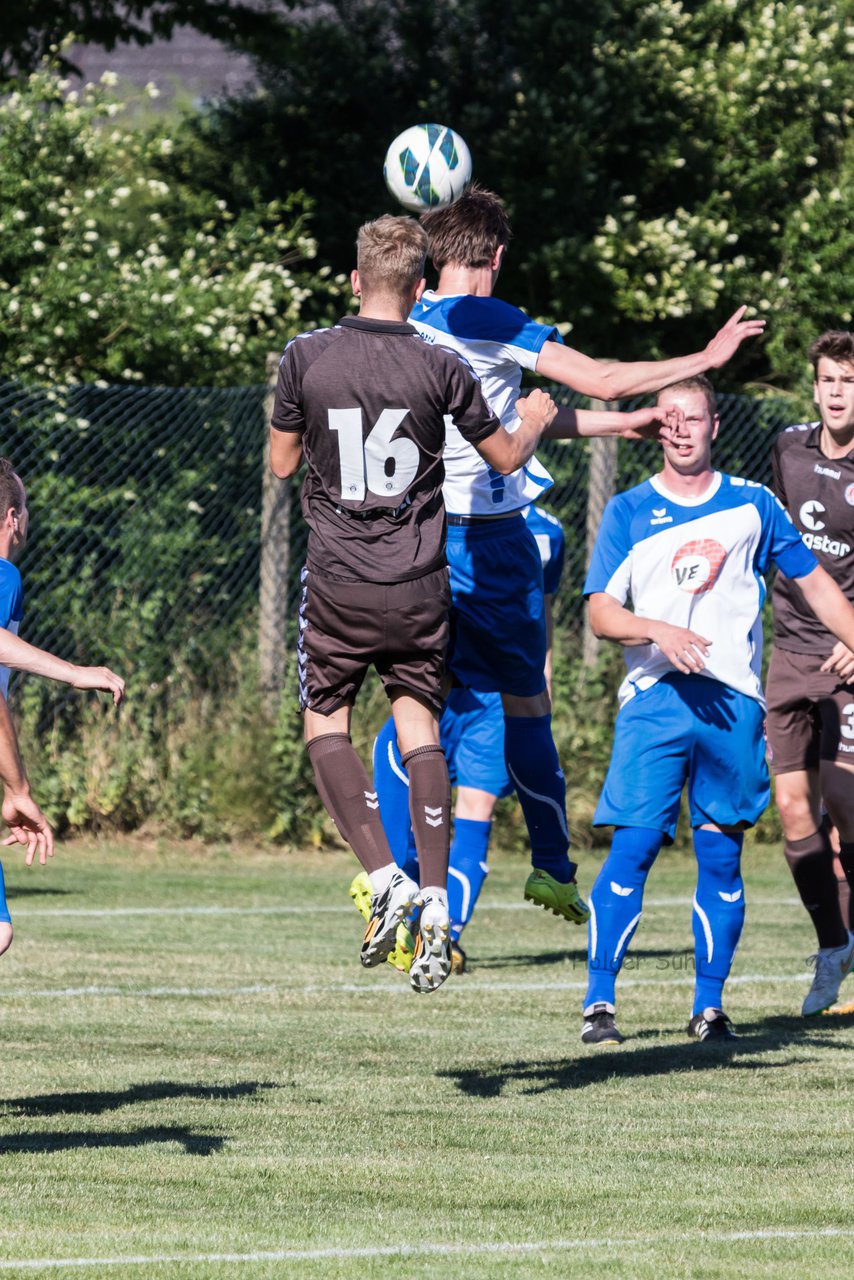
pixel 697 566
pixel 849 495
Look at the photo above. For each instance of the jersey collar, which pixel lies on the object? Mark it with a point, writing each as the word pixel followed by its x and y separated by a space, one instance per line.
pixel 680 499
pixel 377 326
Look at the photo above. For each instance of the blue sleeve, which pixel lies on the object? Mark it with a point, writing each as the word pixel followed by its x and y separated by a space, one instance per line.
pixel 11 594
pixel 781 542
pixel 611 552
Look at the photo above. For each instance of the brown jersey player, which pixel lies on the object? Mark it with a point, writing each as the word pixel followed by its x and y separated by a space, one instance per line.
pixel 810 685
pixel 364 405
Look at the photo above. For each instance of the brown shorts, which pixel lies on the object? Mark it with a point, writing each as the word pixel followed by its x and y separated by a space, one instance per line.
pixel 347 627
pixel 810 713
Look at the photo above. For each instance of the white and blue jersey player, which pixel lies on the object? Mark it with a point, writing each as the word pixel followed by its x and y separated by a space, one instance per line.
pixel 472 736
pixel 498 632
pixel 690 548
pixel 13 532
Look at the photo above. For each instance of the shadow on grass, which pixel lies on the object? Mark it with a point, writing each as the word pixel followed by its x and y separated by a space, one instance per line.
pixel 595 1066
pixel 33 891
pixel 194 1144
pixel 95 1104
pixel 577 959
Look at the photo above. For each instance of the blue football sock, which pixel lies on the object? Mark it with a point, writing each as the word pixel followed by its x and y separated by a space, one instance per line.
pixel 534 769
pixel 616 903
pixel 392 788
pixel 4 909
pixel 718 912
pixel 467 870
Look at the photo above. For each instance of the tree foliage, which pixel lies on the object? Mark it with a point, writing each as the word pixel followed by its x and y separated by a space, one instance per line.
pixel 118 261
pixel 32 31
pixel 662 161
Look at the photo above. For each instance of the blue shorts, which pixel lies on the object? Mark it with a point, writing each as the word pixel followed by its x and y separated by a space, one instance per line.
pixel 686 728
pixel 472 733
pixel 498 622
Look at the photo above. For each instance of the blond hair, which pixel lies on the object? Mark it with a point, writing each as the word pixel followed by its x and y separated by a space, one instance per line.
pixel 391 253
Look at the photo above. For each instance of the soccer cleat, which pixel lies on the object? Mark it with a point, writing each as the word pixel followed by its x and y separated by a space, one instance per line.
pixel 459 959
pixel 831 966
pixel 711 1024
pixel 599 1025
pixel 431 962
pixel 562 899
pixel 400 956
pixel 388 910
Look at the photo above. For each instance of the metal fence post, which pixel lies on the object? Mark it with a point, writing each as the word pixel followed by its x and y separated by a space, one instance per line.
pixel 275 560
pixel 600 488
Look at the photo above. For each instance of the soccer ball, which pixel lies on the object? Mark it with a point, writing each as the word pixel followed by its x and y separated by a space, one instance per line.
pixel 427 166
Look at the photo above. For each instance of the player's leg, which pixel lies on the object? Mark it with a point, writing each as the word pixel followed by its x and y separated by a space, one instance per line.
pixel 616 904
pixel 391 782
pixel 5 918
pixel 640 798
pixel 412 668
pixel 499 645
pixel 805 718
pixel 473 736
pixel 467 865
pixel 717 919
pixel 728 789
pixel 837 786
pixel 338 637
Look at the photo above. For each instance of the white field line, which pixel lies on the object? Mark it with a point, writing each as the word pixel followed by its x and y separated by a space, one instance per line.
pixel 506 1248
pixel 469 986
pixel 72 912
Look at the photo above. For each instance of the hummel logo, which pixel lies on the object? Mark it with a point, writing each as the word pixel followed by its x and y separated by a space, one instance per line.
pixel 730 897
pixel 620 891
pixel 371 800
pixel 433 817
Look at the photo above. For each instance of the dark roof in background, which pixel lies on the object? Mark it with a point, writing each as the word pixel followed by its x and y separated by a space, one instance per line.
pixel 190 64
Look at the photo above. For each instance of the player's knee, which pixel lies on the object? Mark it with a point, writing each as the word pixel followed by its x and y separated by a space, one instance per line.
pixel 795 812
pixel 6 935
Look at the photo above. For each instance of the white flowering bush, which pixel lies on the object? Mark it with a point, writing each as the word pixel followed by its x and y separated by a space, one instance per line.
pixel 119 263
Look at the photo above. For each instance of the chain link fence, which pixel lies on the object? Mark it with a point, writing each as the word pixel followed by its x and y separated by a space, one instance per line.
pixel 159 540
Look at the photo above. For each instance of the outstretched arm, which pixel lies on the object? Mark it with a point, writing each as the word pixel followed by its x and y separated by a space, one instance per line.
pixel 641 424
pixel 25 819
pixel 614 379
pixel 611 620
pixel 15 652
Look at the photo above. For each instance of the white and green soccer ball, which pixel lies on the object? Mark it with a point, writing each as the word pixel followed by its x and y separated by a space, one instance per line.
pixel 427 166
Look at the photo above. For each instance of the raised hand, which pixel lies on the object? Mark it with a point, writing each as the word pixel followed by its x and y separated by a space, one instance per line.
pixel 727 340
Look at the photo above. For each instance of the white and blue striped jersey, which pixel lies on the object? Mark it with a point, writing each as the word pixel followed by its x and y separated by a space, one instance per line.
pixel 498 341
pixel 697 563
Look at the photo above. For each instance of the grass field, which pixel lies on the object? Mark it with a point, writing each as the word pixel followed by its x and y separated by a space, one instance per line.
pixel 200 1081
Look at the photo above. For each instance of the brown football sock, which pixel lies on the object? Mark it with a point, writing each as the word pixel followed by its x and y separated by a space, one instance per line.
pixel 430 810
pixel 845 885
pixel 349 797
pixel 811 864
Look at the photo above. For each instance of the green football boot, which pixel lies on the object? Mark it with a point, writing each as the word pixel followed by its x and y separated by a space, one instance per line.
pixel 400 956
pixel 562 899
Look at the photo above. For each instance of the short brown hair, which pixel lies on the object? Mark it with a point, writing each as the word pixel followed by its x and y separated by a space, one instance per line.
pixel 11 488
pixel 698 383
pixel 390 254
pixel 836 344
pixel 469 231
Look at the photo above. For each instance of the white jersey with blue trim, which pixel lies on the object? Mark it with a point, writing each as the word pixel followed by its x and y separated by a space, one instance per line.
pixel 498 341
pixel 697 563
pixel 11 609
